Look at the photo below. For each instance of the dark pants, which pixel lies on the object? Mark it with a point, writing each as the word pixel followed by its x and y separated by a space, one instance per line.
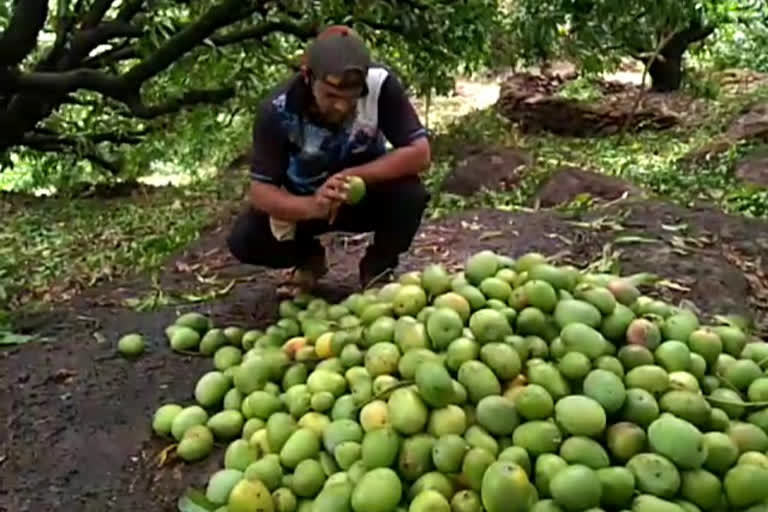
pixel 392 211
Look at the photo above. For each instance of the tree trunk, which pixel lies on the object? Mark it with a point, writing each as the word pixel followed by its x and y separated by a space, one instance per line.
pixel 667 72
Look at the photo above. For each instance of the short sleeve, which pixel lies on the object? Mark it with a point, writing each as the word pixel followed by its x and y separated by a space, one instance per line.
pixel 397 118
pixel 269 158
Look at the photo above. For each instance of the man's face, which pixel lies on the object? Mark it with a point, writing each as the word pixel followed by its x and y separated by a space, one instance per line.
pixel 335 104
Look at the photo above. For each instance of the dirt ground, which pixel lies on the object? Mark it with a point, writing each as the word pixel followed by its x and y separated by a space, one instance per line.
pixel 532 101
pixel 76 419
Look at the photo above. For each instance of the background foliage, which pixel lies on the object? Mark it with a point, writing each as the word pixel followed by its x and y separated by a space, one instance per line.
pixel 599 34
pixel 235 51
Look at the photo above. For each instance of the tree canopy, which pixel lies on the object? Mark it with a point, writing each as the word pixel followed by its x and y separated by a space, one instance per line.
pixel 81 81
pixel 599 33
pixel 105 89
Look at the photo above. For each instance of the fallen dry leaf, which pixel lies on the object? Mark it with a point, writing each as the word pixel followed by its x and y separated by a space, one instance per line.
pixel 490 234
pixel 166 454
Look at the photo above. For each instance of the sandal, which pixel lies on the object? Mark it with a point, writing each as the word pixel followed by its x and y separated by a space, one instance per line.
pixel 303 279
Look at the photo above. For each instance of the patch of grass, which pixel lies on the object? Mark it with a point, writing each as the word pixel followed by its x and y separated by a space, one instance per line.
pixel 653 161
pixel 581 89
pixel 54 247
pixel 650 159
pixel 481 128
pixel 701 86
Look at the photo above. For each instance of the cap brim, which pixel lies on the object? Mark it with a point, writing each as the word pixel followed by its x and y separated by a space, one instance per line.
pixel 350 77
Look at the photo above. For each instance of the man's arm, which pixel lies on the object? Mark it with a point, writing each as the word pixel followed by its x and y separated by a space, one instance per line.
pixel 268 166
pixel 401 126
pixel 281 204
pixel 410 159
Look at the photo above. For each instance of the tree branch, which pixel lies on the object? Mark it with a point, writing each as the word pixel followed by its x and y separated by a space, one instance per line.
pixel 20 38
pixel 64 82
pixel 116 54
pixel 379 25
pixel 696 34
pixel 189 98
pixel 85 41
pixel 641 91
pixel 49 137
pixel 220 15
pixel 71 99
pixel 119 138
pixel 65 22
pixel 78 8
pixel 112 167
pixel 129 9
pixel 302 31
pixel 411 3
pixel 94 16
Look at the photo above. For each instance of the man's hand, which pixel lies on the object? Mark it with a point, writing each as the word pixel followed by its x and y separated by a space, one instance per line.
pixel 329 197
pixel 334 188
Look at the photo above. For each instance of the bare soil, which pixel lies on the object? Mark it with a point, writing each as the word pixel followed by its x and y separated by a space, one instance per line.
pixel 494 168
pixel 76 418
pixel 531 101
pixel 567 183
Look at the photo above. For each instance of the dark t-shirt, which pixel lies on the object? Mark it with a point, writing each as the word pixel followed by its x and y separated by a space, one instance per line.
pixel 291 151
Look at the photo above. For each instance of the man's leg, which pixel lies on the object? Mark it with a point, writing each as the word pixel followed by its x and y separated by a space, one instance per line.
pixel 393 211
pixel 251 241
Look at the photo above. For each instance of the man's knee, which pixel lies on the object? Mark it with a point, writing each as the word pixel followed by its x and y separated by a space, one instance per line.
pixel 240 240
pixel 250 240
pixel 411 197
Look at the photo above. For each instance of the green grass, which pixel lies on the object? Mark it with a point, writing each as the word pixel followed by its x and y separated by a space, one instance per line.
pixel 581 89
pixel 50 250
pixel 650 159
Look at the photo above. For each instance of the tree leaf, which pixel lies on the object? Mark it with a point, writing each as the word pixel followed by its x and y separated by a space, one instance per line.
pixel 630 239
pixel 734 321
pixel 194 500
pixel 672 285
pixel 10 338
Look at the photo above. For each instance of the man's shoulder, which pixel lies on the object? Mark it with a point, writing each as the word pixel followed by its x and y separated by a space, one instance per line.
pixel 381 68
pixel 383 81
pixel 378 73
pixel 277 98
pixel 387 80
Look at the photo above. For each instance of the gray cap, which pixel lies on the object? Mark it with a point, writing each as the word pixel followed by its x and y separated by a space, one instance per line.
pixel 340 57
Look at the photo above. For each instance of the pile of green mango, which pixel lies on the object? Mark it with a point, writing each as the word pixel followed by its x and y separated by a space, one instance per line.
pixel 512 385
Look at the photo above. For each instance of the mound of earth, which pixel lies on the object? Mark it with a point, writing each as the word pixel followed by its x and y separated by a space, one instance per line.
pixel 750 124
pixel 619 96
pixel 568 183
pixel 77 417
pixel 531 101
pixel 489 168
pixel 753 169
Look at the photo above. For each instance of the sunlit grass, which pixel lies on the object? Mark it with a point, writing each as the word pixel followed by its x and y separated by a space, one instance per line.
pixel 650 159
pixel 55 248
